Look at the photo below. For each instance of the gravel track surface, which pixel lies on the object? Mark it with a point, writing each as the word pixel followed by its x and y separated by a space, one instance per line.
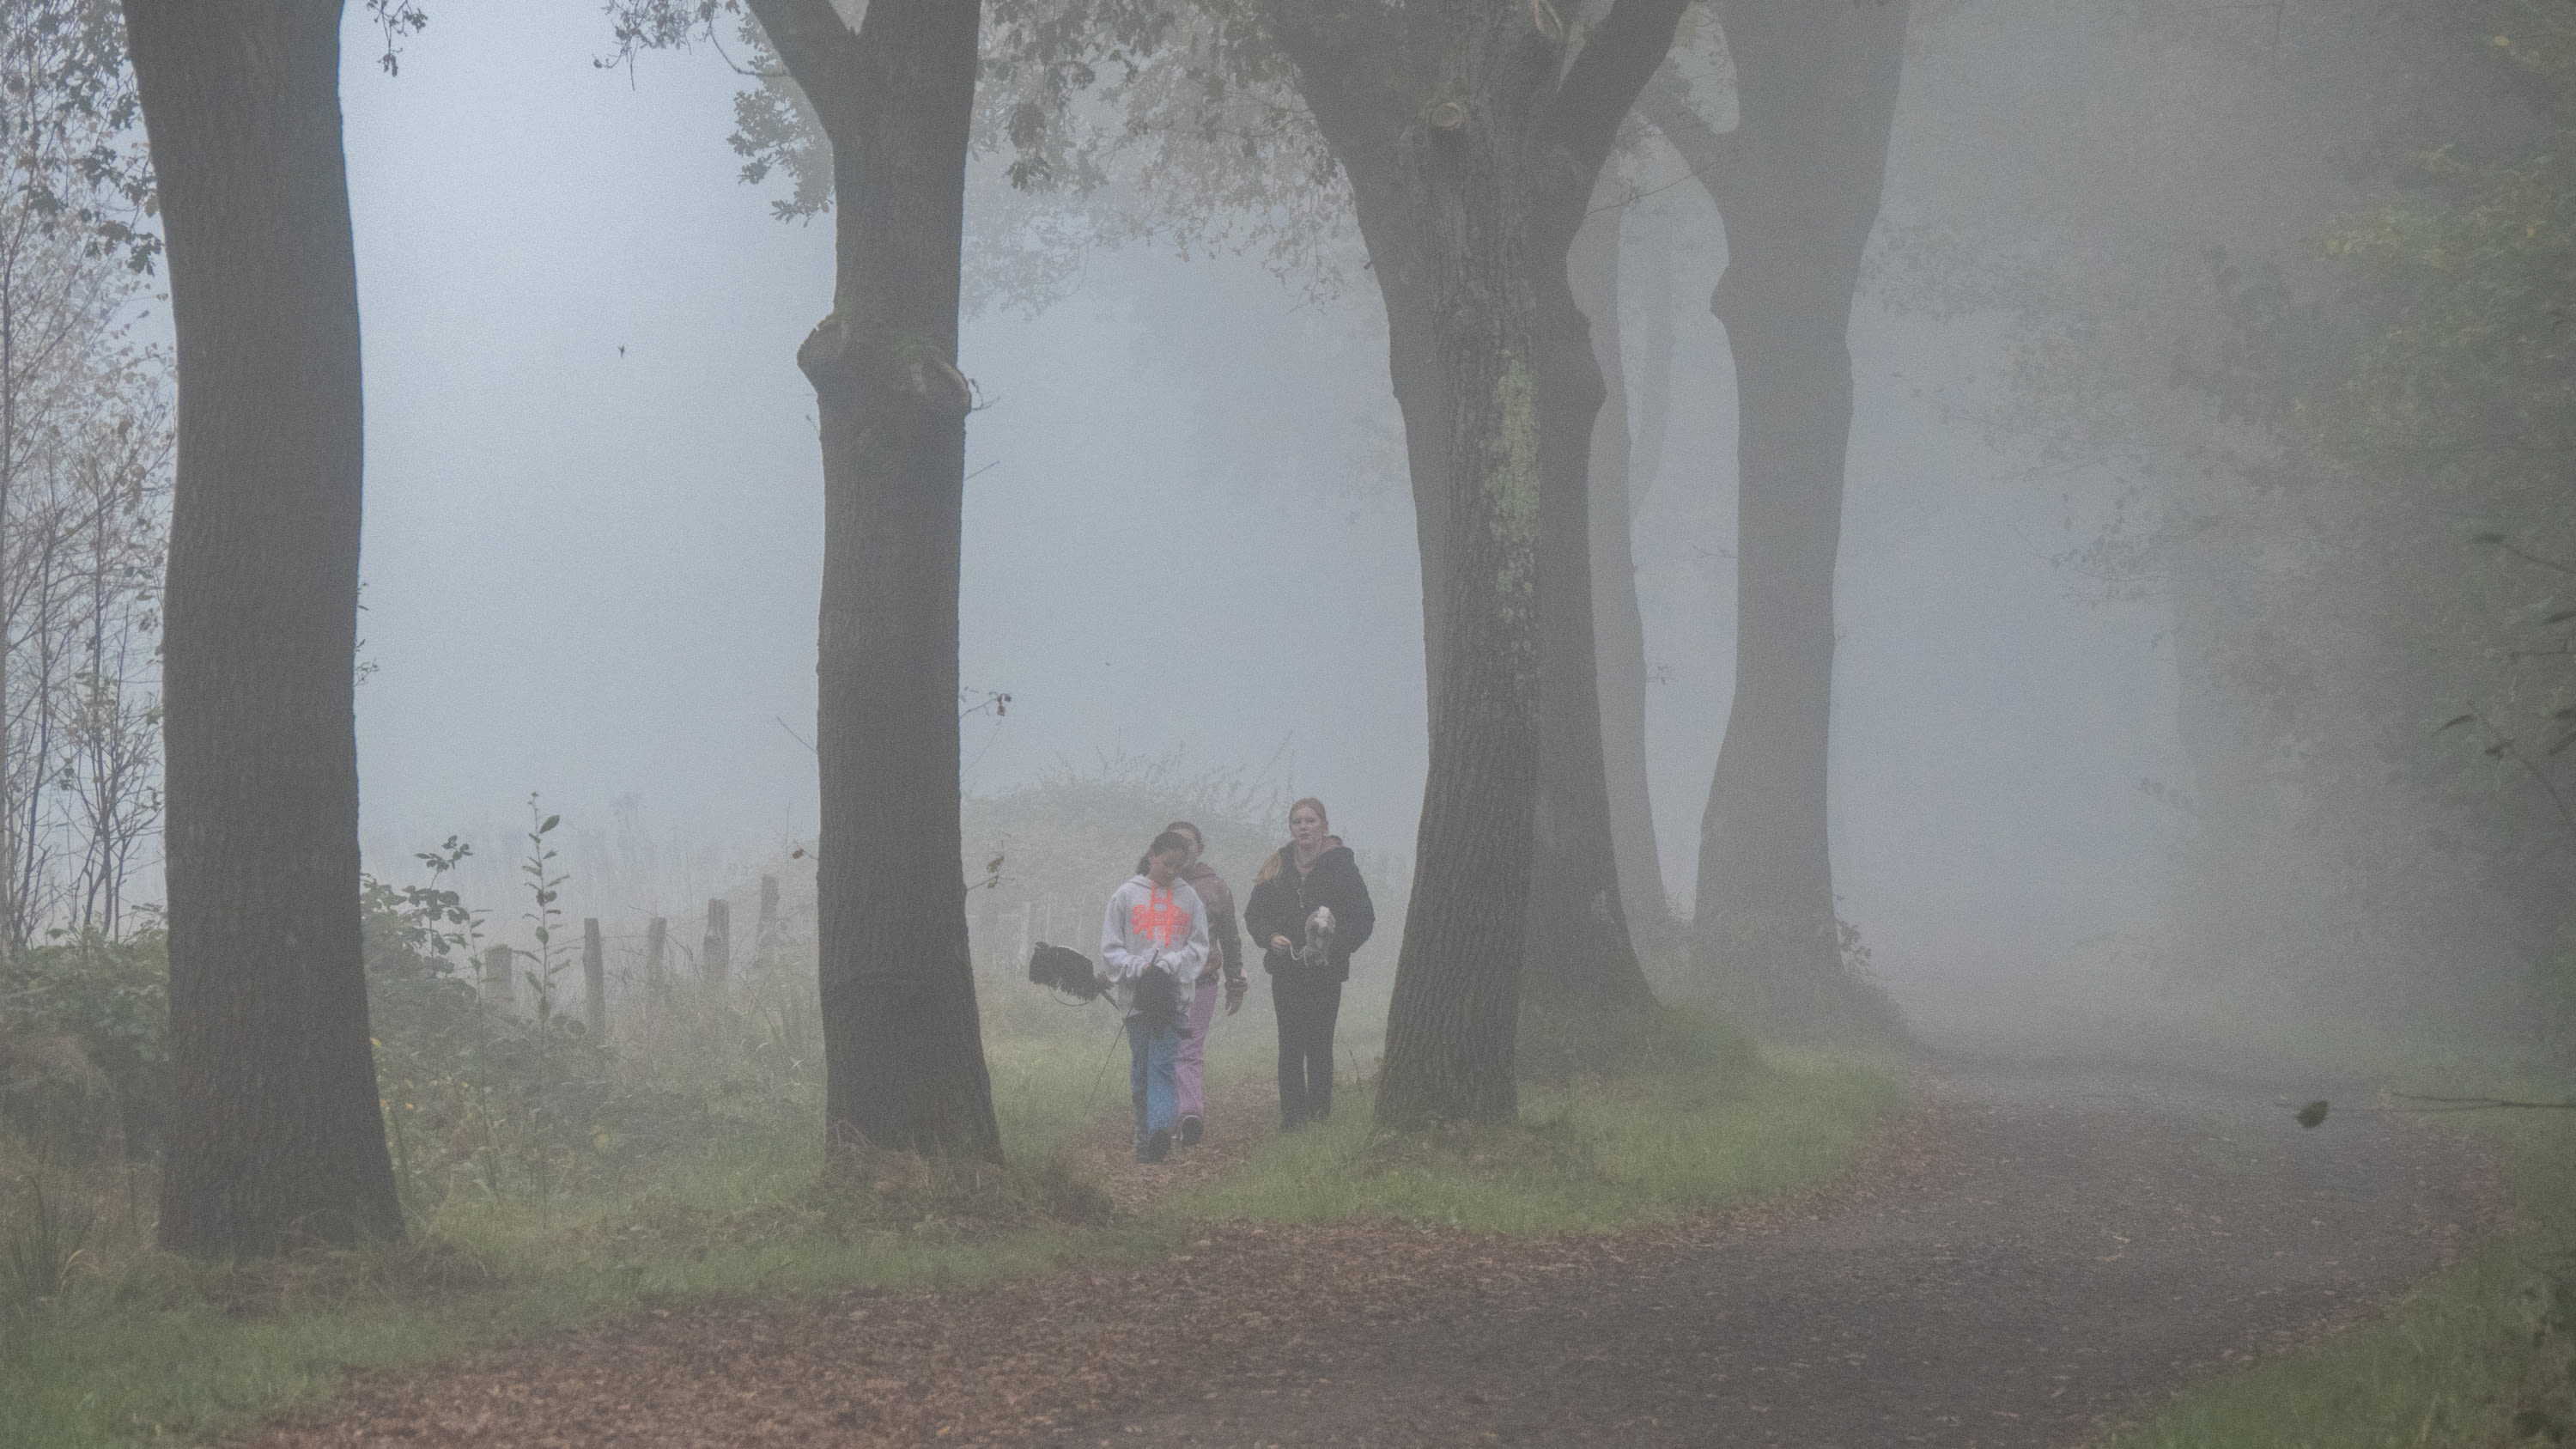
pixel 2037 1250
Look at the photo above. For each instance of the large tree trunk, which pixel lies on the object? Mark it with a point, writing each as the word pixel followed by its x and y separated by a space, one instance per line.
pixel 1619 627
pixel 1797 184
pixel 275 1133
pixel 902 1040
pixel 1585 999
pixel 1442 191
pixel 1455 125
pixel 1449 1040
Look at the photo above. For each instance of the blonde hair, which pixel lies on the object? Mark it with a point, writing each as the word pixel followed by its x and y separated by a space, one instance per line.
pixel 1270 867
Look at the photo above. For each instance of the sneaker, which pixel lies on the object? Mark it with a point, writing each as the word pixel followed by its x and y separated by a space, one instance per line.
pixel 1191 1128
pixel 1157 1147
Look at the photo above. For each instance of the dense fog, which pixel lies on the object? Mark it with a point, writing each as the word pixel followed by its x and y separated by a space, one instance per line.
pixel 1860 708
pixel 592 523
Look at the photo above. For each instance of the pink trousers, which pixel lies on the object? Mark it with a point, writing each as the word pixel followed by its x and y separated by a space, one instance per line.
pixel 1193 1062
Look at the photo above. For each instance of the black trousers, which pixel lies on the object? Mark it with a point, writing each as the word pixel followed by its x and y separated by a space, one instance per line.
pixel 1307 1005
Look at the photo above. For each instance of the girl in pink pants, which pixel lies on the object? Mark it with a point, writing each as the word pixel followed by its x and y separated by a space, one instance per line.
pixel 1225 955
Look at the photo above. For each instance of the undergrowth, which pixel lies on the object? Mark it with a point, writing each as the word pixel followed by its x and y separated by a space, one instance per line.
pixel 132 1345
pixel 552 1177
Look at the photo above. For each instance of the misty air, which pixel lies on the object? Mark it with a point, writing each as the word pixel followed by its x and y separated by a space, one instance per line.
pixel 1370 723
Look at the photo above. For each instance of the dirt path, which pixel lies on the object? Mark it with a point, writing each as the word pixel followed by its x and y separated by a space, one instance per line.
pixel 2040 1250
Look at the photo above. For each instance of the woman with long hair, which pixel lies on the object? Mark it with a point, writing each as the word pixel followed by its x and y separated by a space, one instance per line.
pixel 1309 910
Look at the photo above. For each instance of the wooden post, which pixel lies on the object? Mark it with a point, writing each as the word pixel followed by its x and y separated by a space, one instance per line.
pixel 765 936
pixel 657 937
pixel 500 984
pixel 594 978
pixel 715 957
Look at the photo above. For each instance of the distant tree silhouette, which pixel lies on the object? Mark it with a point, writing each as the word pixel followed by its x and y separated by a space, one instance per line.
pixel 1797 183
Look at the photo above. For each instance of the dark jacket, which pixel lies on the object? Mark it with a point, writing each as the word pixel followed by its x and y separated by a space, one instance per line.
pixel 1282 898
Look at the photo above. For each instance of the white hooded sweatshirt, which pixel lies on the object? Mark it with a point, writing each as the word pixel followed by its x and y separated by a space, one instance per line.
pixel 1149 925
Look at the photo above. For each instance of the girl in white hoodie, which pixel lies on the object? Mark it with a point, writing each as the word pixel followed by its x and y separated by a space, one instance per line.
pixel 1155 924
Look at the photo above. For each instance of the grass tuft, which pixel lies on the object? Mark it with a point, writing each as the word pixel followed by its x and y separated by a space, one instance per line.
pixel 1706 1120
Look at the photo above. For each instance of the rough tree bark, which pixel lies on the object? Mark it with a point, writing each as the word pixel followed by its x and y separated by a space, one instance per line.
pixel 275 1133
pixel 1797 184
pixel 1456 124
pixel 902 1039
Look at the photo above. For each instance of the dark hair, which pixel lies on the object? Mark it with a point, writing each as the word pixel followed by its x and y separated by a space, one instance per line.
pixel 1165 843
pixel 1183 827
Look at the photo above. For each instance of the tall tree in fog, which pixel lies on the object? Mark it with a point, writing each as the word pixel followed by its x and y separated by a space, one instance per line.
pixel 1797 183
pixel 1472 142
pixel 1586 995
pixel 902 1040
pixel 274 1131
pixel 1623 466
pixel 1205 128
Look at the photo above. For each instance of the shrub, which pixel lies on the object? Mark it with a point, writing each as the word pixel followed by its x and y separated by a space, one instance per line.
pixel 109 999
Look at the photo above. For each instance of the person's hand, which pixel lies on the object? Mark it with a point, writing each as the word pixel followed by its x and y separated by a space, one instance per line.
pixel 1280 943
pixel 1234 991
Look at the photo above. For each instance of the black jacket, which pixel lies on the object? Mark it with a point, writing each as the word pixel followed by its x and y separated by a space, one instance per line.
pixel 1280 905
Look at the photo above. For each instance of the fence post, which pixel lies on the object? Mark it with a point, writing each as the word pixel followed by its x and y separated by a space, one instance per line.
pixel 594 979
pixel 500 987
pixel 657 936
pixel 764 947
pixel 715 956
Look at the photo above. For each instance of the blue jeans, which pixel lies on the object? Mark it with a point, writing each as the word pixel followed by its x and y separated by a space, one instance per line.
pixel 1152 1079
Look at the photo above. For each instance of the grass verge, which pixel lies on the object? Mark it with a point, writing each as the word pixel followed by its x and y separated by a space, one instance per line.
pixel 1708 1119
pixel 144 1347
pixel 147 1348
pixel 2480 1356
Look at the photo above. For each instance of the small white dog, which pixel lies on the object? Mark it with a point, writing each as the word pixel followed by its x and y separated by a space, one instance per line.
pixel 1319 938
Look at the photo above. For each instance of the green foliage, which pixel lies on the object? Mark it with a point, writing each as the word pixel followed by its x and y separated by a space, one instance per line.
pixel 73 117
pixel 2398 637
pixel 42 1249
pixel 485 1101
pixel 110 996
